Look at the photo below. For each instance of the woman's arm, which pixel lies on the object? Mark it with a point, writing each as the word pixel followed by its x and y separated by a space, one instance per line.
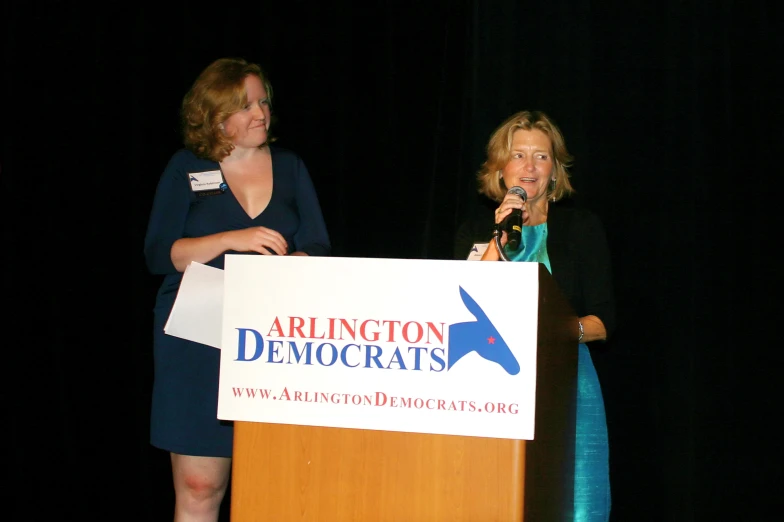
pixel 204 249
pixel 311 239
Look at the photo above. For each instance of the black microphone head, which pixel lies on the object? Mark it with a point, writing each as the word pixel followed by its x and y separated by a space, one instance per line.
pixel 514 221
pixel 520 191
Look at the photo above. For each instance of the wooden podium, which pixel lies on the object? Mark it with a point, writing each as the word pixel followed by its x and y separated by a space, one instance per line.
pixel 285 473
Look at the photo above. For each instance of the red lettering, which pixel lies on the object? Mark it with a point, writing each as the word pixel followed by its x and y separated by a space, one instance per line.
pixel 439 335
pixel 419 331
pixel 313 329
pixel 391 337
pixel 351 329
pixel 275 327
pixel 296 323
pixel 363 332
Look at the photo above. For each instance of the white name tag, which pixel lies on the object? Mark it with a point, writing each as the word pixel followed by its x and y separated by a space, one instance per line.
pixel 476 251
pixel 207 181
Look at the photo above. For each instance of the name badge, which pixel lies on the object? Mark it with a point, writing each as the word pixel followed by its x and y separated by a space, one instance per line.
pixel 207 183
pixel 476 251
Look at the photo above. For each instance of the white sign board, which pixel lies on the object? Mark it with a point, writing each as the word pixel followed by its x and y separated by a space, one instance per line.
pixel 426 346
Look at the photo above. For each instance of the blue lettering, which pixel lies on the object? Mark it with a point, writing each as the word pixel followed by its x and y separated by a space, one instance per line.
pixel 343 357
pixel 273 351
pixel 437 359
pixel 417 356
pixel 334 353
pixel 372 354
pixel 349 355
pixel 241 344
pixel 397 357
pixel 298 354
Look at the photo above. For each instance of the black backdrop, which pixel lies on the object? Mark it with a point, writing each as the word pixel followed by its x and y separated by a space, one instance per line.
pixel 671 108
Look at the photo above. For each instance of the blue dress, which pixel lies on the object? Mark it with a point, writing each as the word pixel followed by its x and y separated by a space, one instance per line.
pixel 185 388
pixel 592 452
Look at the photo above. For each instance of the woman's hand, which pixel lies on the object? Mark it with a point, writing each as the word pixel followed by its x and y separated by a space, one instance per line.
pixel 206 248
pixel 256 239
pixel 509 203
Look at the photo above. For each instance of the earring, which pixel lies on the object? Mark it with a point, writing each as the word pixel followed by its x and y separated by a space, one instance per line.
pixel 552 188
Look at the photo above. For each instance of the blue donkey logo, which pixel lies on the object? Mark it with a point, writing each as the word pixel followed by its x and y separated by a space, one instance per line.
pixel 479 336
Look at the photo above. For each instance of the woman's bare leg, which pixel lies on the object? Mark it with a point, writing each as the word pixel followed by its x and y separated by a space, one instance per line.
pixel 199 486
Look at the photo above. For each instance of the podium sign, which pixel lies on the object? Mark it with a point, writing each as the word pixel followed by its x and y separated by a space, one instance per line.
pixel 421 346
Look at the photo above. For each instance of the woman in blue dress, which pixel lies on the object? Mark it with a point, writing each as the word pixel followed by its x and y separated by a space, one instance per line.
pixel 529 151
pixel 228 191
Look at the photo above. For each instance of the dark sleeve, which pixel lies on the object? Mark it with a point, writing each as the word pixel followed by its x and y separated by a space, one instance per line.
pixel 311 236
pixel 595 271
pixel 167 218
pixel 476 229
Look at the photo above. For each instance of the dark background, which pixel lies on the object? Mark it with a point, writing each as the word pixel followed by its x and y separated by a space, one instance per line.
pixel 672 110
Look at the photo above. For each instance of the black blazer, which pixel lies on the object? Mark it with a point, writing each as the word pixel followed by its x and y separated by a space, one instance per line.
pixel 579 257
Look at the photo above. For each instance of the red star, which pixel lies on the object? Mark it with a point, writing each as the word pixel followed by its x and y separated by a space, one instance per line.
pixel 491 340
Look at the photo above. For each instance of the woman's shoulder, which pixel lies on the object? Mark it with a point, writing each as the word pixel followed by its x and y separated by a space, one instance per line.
pixel 571 219
pixel 284 154
pixel 571 212
pixel 288 164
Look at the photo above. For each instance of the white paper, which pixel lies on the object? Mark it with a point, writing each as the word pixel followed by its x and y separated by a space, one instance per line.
pixel 197 314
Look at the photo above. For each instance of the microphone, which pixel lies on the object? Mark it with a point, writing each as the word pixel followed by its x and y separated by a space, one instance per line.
pixel 514 221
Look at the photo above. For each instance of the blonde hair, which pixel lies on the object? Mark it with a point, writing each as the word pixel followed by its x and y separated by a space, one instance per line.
pixel 218 92
pixel 499 152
